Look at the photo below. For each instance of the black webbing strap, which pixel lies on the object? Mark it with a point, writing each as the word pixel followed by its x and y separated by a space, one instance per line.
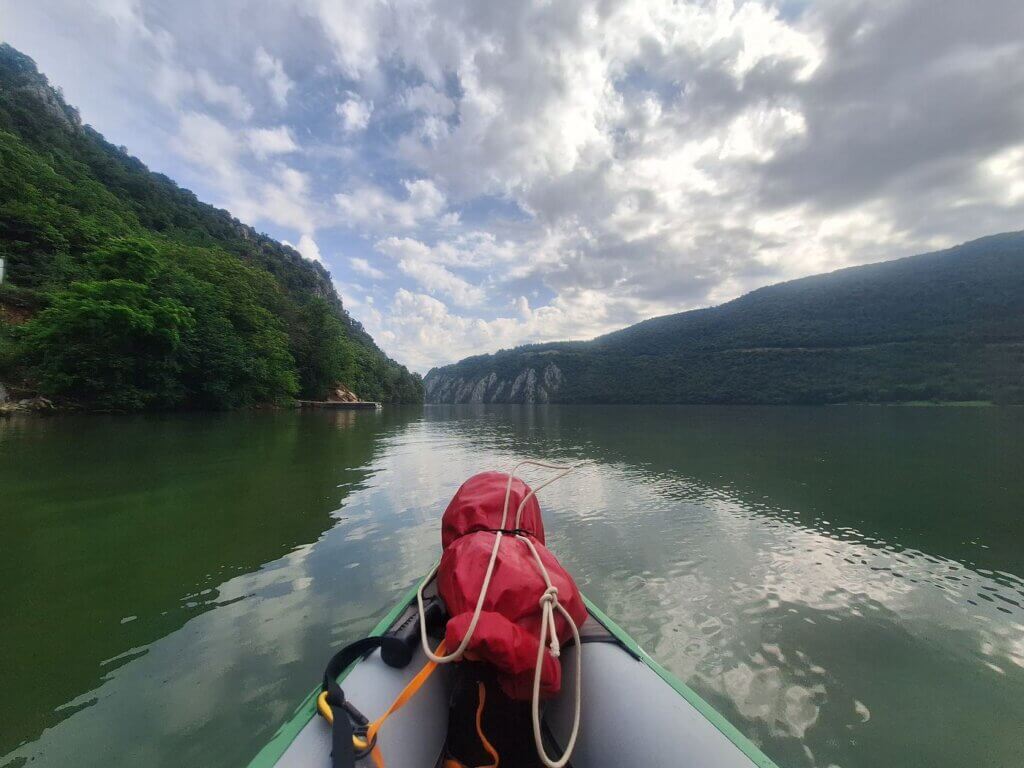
pixel 343 752
pixel 506 531
pixel 348 720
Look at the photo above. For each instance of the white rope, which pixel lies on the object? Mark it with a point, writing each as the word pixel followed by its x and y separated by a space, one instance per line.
pixel 548 603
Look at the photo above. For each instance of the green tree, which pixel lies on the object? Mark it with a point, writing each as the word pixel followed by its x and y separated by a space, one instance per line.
pixel 323 354
pixel 110 344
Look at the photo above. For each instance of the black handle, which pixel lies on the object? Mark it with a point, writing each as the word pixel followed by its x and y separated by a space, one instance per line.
pixel 408 634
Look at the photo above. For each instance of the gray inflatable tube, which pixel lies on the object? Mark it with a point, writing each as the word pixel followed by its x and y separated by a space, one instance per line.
pixel 634 713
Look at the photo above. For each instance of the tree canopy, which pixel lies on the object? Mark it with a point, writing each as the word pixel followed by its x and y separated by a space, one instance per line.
pixel 123 291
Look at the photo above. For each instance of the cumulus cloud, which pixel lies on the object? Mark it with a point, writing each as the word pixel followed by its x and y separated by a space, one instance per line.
pixel 276 78
pixel 228 96
pixel 282 196
pixel 423 330
pixel 428 99
pixel 426 266
pixel 555 170
pixel 371 207
pixel 354 30
pixel 438 279
pixel 308 248
pixel 174 84
pixel 365 268
pixel 271 141
pixel 354 113
pixel 207 143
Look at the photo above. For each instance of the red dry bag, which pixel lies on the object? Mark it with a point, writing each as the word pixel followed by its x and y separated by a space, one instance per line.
pixel 509 628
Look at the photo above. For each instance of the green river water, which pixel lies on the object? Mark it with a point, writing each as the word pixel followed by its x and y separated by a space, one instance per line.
pixel 844 584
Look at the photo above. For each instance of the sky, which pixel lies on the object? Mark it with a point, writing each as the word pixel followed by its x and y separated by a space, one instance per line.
pixel 479 174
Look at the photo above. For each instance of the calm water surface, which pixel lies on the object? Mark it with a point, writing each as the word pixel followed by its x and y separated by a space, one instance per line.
pixel 845 584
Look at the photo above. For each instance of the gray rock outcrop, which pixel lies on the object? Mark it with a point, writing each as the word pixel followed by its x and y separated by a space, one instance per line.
pixel 532 384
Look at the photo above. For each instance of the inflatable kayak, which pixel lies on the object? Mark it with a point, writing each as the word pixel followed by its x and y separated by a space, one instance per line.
pixel 634 712
pixel 496 658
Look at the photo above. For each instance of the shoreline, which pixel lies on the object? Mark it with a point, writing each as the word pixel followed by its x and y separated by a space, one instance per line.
pixel 42 406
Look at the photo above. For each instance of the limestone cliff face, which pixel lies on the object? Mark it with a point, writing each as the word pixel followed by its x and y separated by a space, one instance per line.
pixel 530 385
pixel 24 79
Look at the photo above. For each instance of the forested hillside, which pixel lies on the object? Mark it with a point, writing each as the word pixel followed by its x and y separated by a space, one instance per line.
pixel 945 326
pixel 123 291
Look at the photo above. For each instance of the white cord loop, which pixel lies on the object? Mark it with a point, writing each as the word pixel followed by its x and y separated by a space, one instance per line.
pixel 548 601
pixel 548 604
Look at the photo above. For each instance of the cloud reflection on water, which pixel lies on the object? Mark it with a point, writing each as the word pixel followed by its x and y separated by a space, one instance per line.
pixel 827 645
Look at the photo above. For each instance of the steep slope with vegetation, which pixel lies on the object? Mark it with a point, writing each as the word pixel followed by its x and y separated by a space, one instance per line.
pixel 123 291
pixel 945 326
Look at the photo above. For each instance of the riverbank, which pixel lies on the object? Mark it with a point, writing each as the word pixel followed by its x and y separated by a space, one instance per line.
pixel 340 398
pixel 333 405
pixel 32 404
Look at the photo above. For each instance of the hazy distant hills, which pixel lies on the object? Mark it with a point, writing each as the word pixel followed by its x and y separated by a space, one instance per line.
pixel 944 326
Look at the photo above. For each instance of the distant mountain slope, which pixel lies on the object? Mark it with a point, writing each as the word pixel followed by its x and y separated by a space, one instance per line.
pixel 944 326
pixel 224 316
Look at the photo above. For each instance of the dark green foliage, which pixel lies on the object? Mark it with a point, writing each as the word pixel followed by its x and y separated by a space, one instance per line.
pixel 322 354
pixel 946 326
pixel 109 343
pixel 140 295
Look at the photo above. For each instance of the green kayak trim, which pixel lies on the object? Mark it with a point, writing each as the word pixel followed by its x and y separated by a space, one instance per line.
pixel 286 734
pixel 712 715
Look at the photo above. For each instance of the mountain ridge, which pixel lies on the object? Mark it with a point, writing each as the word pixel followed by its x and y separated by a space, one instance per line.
pixel 69 199
pixel 945 325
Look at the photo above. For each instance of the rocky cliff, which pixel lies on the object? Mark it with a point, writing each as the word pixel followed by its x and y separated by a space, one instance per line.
pixel 535 384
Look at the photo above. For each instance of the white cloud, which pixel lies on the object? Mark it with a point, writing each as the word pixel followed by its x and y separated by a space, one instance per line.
pixel 365 268
pixel 1006 170
pixel 354 30
pixel 426 266
pixel 207 143
pixel 426 98
pixel 173 84
pixel 271 141
pixel 126 15
pixel 308 248
pixel 228 96
pixel 423 332
pixel 405 248
pixel 471 249
pixel 282 197
pixel 653 156
pixel 354 113
pixel 370 207
pixel 277 80
pixel 439 279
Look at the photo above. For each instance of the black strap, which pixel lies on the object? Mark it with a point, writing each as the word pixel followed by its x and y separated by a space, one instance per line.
pixel 343 753
pixel 352 652
pixel 507 531
pixel 347 719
